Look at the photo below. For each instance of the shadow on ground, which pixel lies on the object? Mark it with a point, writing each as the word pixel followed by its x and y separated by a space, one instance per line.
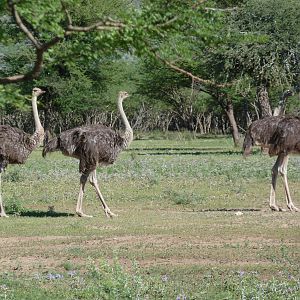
pixel 228 209
pixel 42 214
pixel 191 153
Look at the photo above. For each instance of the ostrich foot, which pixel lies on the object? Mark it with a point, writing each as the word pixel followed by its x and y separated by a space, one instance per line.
pixel 3 215
pixel 276 208
pixel 292 207
pixel 109 214
pixel 81 214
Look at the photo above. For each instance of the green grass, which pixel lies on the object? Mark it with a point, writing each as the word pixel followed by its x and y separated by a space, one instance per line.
pixel 176 234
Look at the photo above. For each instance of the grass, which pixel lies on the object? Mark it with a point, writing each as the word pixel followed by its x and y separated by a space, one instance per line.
pixel 177 235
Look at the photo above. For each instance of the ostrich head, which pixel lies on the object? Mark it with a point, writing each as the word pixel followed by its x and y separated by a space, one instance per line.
pixel 36 91
pixel 123 95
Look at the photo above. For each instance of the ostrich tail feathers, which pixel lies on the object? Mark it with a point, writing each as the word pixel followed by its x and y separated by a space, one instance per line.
pixel 247 145
pixel 51 146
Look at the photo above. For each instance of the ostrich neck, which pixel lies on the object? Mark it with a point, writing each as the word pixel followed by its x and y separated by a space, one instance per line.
pixel 39 130
pixel 128 134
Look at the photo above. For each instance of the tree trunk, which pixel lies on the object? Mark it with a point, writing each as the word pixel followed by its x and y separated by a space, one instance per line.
pixel 233 124
pixel 227 105
pixel 280 109
pixel 263 100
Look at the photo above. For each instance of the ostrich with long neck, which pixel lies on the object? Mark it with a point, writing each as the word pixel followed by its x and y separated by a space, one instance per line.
pixel 93 145
pixel 16 145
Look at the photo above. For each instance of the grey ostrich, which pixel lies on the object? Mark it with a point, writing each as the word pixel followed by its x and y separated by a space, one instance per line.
pixel 93 145
pixel 263 132
pixel 16 145
pixel 260 133
pixel 285 141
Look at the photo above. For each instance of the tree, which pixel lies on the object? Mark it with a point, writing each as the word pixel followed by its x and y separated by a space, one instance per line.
pixel 66 46
pixel 252 40
pixel 270 52
pixel 200 29
pixel 168 90
pixel 47 23
pixel 50 22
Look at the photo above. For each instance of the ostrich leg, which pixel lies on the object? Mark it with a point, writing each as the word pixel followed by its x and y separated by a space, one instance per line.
pixel 2 212
pixel 275 171
pixel 283 172
pixel 79 211
pixel 94 183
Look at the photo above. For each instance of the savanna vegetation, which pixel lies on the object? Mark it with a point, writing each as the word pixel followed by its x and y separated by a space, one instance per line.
pixel 177 234
pixel 198 72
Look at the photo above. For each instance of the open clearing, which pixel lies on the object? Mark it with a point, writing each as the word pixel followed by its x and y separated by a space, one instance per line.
pixel 176 203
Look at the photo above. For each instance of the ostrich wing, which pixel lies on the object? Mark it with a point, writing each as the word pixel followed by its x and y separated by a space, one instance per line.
pixel 92 145
pixel 286 137
pixel 262 130
pixel 15 145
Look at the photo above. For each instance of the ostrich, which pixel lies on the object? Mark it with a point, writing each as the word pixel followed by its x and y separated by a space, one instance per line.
pixel 16 145
pixel 260 133
pixel 285 141
pixel 93 145
pixel 269 133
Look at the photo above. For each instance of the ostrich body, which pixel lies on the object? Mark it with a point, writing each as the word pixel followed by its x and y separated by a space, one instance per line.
pixel 260 133
pixel 273 133
pixel 285 141
pixel 93 145
pixel 16 145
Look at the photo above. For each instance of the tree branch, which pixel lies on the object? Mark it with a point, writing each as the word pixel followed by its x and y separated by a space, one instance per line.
pixel 229 9
pixel 34 73
pixel 21 25
pixel 167 23
pixel 41 48
pixel 205 82
pixel 69 19
pixel 101 25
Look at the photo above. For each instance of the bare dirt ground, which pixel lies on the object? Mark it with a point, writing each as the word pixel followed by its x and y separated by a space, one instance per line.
pixel 177 240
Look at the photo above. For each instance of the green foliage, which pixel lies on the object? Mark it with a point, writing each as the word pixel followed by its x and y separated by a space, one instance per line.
pixel 86 12
pixel 293 105
pixel 241 42
pixel 245 285
pixel 272 58
pixel 111 281
pixel 14 207
pixel 72 92
pixel 11 98
pixel 193 249
pixel 45 16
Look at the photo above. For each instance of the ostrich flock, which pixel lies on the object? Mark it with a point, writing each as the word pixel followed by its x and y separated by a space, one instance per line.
pixel 99 145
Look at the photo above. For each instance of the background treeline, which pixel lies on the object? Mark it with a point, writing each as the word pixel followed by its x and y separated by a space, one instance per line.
pixel 202 66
